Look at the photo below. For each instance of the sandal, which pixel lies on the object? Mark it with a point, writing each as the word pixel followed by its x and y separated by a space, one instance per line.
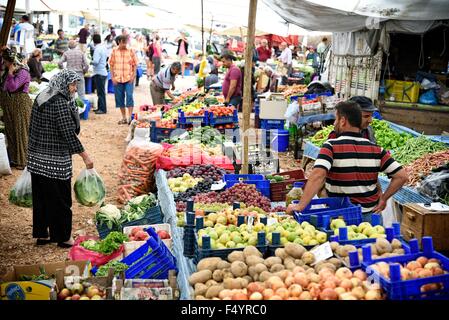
pixel 123 121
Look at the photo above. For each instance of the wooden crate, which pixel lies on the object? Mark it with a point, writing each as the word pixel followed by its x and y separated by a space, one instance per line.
pixel 418 222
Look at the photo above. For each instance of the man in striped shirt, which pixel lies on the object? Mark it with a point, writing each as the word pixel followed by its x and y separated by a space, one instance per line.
pixel 349 166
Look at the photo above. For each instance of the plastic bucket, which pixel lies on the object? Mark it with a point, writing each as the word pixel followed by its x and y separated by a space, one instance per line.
pixel 88 85
pixel 279 141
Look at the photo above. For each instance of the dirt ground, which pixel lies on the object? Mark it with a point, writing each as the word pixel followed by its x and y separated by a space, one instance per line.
pixel 104 140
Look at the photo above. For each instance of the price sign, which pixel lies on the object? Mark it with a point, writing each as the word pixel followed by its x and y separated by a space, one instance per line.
pixel 322 252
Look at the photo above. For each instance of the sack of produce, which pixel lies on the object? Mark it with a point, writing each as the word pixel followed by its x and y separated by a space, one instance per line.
pixel 4 161
pixel 436 185
pixel 98 252
pixel 89 188
pixel 428 97
pixel 21 194
pixel 137 171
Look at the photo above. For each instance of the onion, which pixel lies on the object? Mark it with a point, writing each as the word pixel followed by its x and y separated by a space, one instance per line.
pixel 343 273
pixel 425 273
pixel 431 265
pixel 256 296
pixel 225 293
pixel 301 279
pixel 328 294
pixel 437 271
pixel 254 287
pixel 412 265
pixel 275 297
pixel 356 282
pixel 358 292
pixel 339 290
pixel 314 278
pixel 305 295
pixel 373 295
pixel 239 296
pixel 267 294
pixel 289 281
pixel 298 269
pixel 346 284
pixel 360 274
pixel 314 290
pixel 329 284
pixel 295 290
pixel 347 296
pixel 283 293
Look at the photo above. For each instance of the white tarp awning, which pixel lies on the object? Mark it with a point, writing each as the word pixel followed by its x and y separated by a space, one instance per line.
pixel 353 15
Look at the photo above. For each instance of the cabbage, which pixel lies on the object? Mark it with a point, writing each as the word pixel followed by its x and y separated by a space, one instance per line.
pixel 89 188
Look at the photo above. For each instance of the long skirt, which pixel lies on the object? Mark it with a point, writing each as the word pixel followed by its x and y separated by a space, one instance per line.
pixel 52 213
pixel 17 114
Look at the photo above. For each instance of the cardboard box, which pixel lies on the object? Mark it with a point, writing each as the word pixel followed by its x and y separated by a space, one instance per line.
pixel 272 109
pixel 11 288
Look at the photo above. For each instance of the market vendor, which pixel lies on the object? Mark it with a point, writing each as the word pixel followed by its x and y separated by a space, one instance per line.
pixel 349 167
pixel 232 84
pixel 35 65
pixel 368 108
pixel 163 82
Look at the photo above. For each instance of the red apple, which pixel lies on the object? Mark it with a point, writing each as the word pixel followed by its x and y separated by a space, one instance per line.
pixel 63 294
pixel 163 234
pixel 76 297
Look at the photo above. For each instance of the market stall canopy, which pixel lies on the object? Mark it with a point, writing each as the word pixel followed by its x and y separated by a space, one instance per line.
pixel 354 15
pixel 239 32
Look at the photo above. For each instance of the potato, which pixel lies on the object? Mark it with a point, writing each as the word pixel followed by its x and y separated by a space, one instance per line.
pixel 271 261
pixel 264 276
pixel 334 246
pixel 288 259
pixel 383 246
pixel 299 262
pixel 396 244
pixel 280 253
pixel 208 264
pixel 243 282
pixel 256 277
pixel 239 269
pixel 252 271
pixel 236 256
pixel 227 274
pixel 211 283
pixel 252 251
pixel 218 275
pixel 290 265
pixel 232 283
pixel 200 277
pixel 336 262
pixel 260 267
pixel 325 265
pixel 223 265
pixel 200 289
pixel 294 250
pixel 200 298
pixel 308 258
pixel 213 291
pixel 253 260
pixel 276 268
pixel 248 279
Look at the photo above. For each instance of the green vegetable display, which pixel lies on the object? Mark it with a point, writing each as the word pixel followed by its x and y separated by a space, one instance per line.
pixel 41 276
pixel 321 136
pixel 108 245
pixel 116 265
pixel 388 138
pixel 89 188
pixel 415 148
pixel 50 66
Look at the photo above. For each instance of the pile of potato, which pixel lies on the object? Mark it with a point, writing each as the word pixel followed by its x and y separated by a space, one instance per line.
pixel 382 248
pixel 288 275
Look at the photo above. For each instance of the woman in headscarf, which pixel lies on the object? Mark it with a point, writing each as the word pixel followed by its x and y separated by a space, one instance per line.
pixel 54 127
pixel 16 104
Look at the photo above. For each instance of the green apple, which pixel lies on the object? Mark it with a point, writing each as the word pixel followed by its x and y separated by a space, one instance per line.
pixel 369 231
pixel 220 246
pixel 321 237
pixel 237 239
pixel 304 224
pixel 291 237
pixel 213 235
pixel 313 242
pixel 245 235
pixel 364 225
pixel 298 241
pixel 361 236
pixel 224 238
pixel 269 238
pixel 379 229
pixel 240 245
pixel 337 223
pixel 284 241
pixel 222 220
pixel 208 223
pixel 253 240
pixel 299 231
pixel 243 227
pixel 232 228
pixel 354 228
pixel 213 244
pixel 212 217
pixel 259 227
pixel 310 229
pixel 230 244
pixel 306 239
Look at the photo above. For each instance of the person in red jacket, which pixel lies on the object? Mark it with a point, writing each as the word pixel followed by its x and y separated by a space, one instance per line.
pixel 264 51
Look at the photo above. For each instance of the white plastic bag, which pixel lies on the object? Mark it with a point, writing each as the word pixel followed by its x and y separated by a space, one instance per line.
pixel 292 112
pixel 5 169
pixel 89 188
pixel 21 193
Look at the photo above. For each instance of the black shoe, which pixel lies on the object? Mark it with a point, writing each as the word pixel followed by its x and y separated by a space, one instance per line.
pixel 42 242
pixel 99 112
pixel 64 245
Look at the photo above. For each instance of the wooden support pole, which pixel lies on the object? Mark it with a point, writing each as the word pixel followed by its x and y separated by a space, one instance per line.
pixel 247 97
pixel 7 20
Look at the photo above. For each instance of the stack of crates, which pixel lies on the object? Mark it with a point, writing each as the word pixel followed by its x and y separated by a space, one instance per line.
pixel 262 185
pixel 189 231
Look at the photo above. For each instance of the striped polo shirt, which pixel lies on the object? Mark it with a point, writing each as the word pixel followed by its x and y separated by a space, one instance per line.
pixel 164 78
pixel 353 164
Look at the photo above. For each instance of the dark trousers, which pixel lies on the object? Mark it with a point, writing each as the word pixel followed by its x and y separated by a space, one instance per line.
pixel 52 202
pixel 100 82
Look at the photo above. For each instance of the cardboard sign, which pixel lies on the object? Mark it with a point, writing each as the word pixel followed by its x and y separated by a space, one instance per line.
pixel 322 252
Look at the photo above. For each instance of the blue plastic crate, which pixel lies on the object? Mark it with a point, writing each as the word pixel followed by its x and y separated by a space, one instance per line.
pixel 159 134
pixel 183 119
pixel 206 251
pixel 376 220
pixel 335 207
pixel 213 120
pixel 262 185
pixel 268 124
pixel 397 289
pixel 85 114
pixel 189 241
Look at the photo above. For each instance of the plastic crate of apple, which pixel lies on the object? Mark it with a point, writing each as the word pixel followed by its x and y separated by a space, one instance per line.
pixel 82 291
pixel 292 231
pixel 229 216
pixel 182 184
pixel 363 231
pixel 289 275
pixel 208 172
pixel 382 248
pixel 240 192
pixel 139 234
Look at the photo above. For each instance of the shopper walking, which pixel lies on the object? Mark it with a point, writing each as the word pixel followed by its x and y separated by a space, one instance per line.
pixel 76 61
pixel 149 51
pixel 123 65
pixel 183 51
pixel 163 82
pixel 83 34
pixel 24 36
pixel 54 128
pixel 157 55
pixel 100 73
pixel 16 104
pixel 62 43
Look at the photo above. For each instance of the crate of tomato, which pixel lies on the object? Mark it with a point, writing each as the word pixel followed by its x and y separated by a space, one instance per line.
pixel 222 115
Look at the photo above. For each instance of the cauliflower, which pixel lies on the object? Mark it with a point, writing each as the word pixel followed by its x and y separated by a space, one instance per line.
pixel 111 211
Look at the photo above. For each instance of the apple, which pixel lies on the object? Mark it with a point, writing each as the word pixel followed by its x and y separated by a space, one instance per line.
pixel 230 244
pixel 68 298
pixel 379 229
pixel 92 291
pixel 364 225
pixel 163 234
pixel 77 288
pixel 321 237
pixel 96 297
pixel 224 238
pixel 84 298
pixel 64 294
pixel 76 297
pixel 237 239
pixel 222 220
pixel 337 223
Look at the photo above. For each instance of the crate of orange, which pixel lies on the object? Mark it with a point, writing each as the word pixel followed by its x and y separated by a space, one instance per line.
pixel 161 130
pixel 222 115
